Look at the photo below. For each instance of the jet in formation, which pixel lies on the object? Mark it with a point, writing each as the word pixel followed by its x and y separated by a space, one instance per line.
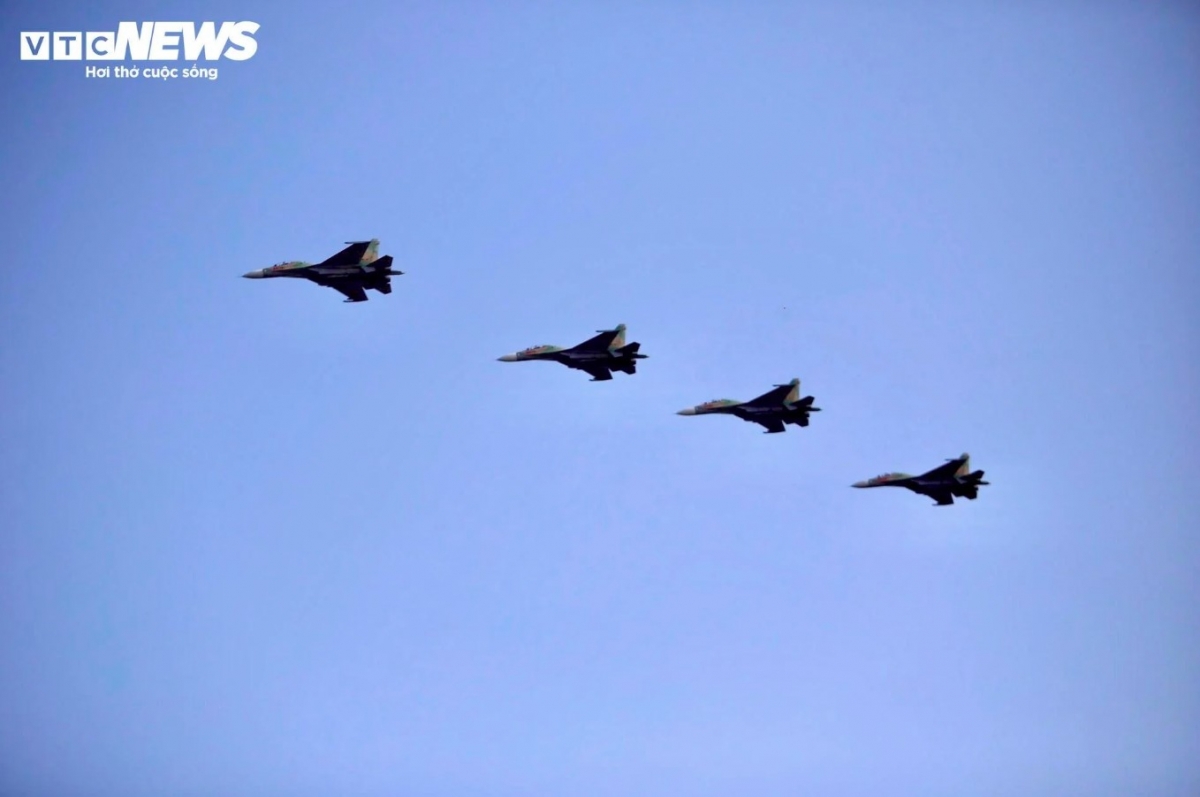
pixel 772 410
pixel 942 484
pixel 351 271
pixel 598 356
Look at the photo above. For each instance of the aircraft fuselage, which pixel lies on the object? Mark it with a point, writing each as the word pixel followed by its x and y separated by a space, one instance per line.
pixel 785 413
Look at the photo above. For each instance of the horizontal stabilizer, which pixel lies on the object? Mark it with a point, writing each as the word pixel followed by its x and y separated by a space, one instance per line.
pixel 630 351
pixel 384 264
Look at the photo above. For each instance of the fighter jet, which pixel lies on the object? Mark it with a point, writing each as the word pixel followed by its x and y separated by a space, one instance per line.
pixel 349 272
pixel 941 484
pixel 598 356
pixel 771 410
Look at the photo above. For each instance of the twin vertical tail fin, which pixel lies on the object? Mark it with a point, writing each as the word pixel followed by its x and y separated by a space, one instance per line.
pixel 619 341
pixel 965 468
pixel 372 253
pixel 794 394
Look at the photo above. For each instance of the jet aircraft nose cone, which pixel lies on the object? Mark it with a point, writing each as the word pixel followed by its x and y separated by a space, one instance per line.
pixel 860 484
pixel 253 275
pixel 688 411
pixel 508 358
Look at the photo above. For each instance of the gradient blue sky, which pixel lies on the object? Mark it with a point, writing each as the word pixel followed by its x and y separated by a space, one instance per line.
pixel 257 541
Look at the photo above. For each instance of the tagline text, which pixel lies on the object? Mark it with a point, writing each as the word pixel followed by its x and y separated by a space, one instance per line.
pixel 152 73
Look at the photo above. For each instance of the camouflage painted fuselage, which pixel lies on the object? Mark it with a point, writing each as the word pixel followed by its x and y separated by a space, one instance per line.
pixel 943 484
pixel 351 272
pixel 598 356
pixel 772 410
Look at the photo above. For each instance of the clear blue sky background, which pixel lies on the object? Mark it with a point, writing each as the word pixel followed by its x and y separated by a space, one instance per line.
pixel 258 541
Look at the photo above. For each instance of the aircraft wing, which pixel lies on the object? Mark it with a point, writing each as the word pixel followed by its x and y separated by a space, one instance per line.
pixel 350 256
pixel 598 372
pixel 944 471
pixel 353 291
pixel 943 497
pixel 772 397
pixel 772 426
pixel 600 342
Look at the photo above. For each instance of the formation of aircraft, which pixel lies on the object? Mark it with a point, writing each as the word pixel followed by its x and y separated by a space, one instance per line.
pixel 358 268
pixel 772 410
pixel 943 484
pixel 598 356
pixel 350 272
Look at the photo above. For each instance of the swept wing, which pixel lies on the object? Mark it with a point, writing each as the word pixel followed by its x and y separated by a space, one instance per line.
pixel 772 425
pixel 600 342
pixel 350 256
pixel 943 497
pixel 944 471
pixel 773 397
pixel 353 291
pixel 599 372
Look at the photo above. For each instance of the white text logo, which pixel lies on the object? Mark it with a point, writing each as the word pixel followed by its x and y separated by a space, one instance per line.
pixel 149 41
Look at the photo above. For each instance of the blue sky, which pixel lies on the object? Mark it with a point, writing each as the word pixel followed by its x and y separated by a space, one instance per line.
pixel 258 541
